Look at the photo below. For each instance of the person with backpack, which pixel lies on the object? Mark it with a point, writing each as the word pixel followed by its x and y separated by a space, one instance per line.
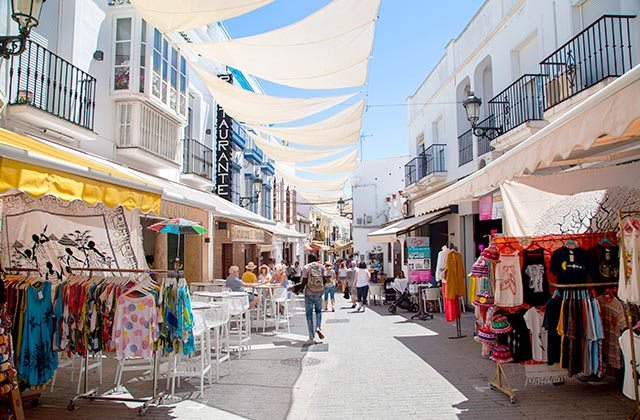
pixel 313 286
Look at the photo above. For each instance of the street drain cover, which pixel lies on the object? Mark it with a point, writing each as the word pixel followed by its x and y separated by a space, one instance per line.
pixel 336 320
pixel 300 361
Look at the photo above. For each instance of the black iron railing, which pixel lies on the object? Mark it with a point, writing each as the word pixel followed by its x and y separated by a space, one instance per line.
pixel 484 145
pixel 601 50
pixel 197 159
pixel 43 80
pixel 520 102
pixel 432 160
pixel 465 148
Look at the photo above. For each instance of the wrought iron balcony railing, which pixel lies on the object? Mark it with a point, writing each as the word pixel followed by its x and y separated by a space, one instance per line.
pixel 465 148
pixel 520 102
pixel 601 50
pixel 197 159
pixel 432 160
pixel 43 80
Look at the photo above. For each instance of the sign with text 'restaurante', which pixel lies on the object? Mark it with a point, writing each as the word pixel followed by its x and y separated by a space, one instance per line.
pixel 224 151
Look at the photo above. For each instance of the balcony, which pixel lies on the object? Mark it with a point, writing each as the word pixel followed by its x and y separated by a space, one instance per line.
pixel 239 135
pixel 197 163
pixel 428 167
pixel 600 51
pixel 465 148
pixel 50 93
pixel 146 138
pixel 520 102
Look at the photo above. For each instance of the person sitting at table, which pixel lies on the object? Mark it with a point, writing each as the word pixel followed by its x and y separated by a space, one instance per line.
pixel 279 276
pixel 263 274
pixel 249 276
pixel 235 284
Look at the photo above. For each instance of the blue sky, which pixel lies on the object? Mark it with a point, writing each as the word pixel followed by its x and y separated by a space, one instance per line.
pixel 410 39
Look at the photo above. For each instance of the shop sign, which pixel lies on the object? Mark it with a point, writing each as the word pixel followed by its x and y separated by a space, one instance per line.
pixel 486 207
pixel 246 234
pixel 419 253
pixel 497 207
pixel 224 151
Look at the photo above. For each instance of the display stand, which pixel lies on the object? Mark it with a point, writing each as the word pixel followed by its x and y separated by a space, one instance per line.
pixel 501 383
pixel 636 409
pixel 422 314
pixel 156 398
pixel 458 330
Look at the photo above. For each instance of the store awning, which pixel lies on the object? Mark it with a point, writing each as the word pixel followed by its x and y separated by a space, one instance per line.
pixel 342 247
pixel 391 232
pixel 38 168
pixel 609 118
pixel 280 231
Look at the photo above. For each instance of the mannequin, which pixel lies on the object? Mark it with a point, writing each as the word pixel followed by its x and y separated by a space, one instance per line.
pixel 625 345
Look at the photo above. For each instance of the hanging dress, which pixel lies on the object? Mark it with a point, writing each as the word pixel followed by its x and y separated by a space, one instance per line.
pixel 38 362
pixel 629 282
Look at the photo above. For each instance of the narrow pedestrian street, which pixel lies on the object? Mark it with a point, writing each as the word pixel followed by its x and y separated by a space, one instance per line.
pixel 371 365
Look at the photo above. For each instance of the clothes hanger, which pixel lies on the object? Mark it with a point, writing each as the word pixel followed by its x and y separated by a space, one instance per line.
pixel 571 244
pixel 606 242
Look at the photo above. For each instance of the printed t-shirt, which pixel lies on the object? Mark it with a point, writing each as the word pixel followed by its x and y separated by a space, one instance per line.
pixel 571 265
pixel 535 320
pixel 508 281
pixel 605 263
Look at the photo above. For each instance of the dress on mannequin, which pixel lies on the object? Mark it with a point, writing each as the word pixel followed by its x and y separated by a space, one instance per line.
pixel 625 344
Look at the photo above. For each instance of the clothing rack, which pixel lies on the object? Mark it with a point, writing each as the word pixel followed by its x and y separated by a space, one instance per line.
pixel 501 383
pixel 582 285
pixel 636 410
pixel 156 398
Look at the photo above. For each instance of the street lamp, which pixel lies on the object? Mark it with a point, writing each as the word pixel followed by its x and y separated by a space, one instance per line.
pixel 343 213
pixel 257 188
pixel 27 14
pixel 472 107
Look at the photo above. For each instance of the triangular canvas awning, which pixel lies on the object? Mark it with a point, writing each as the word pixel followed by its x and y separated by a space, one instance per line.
pixel 329 49
pixel 286 154
pixel 609 117
pixel 254 108
pixel 172 15
pixel 344 164
pixel 342 128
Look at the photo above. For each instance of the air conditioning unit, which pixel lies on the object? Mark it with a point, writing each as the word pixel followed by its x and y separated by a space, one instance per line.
pixel 359 220
pixel 369 220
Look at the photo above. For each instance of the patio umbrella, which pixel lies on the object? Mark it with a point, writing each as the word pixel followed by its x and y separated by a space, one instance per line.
pixel 178 226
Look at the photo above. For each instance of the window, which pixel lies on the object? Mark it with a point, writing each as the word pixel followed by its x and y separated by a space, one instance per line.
pixel 124 112
pixel 122 63
pixel 143 54
pixel 266 201
pixel 420 143
pixel 235 186
pixel 169 74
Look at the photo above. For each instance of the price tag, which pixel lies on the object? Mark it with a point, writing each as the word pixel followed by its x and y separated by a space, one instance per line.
pixel 571 257
pixel 40 295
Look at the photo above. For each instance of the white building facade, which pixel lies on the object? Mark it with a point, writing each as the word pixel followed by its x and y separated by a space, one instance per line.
pixel 530 61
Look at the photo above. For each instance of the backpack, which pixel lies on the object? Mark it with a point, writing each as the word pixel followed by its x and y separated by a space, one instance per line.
pixel 315 279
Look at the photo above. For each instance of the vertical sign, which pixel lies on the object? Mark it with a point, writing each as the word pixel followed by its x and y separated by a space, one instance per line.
pixel 486 207
pixel 419 259
pixel 224 150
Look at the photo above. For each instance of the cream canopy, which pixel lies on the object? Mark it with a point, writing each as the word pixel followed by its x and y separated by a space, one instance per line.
pixel 286 154
pixel 254 108
pixel 321 197
pixel 329 49
pixel 172 16
pixel 320 184
pixel 339 129
pixel 346 163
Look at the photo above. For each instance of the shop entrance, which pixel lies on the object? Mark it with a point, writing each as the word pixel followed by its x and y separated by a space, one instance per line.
pixel 227 258
pixel 482 231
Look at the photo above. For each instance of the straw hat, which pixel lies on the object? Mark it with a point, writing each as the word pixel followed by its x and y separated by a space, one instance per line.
pixel 328 264
pixel 250 266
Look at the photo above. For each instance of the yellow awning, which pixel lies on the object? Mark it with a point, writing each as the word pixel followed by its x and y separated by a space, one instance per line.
pixel 45 169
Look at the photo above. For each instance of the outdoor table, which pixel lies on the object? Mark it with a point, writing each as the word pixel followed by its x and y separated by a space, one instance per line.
pixel 202 285
pixel 219 295
pixel 260 289
pixel 200 306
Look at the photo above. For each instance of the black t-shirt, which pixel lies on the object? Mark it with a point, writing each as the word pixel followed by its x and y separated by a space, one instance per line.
pixel 534 278
pixel 571 265
pixel 605 263
pixel 550 323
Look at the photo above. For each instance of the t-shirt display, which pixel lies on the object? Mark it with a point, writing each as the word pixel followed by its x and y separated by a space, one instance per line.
pixel 535 319
pixel 508 281
pixel 605 263
pixel 534 278
pixel 571 265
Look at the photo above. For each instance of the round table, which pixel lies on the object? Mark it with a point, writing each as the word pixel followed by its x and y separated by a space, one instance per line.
pixel 260 289
pixel 219 295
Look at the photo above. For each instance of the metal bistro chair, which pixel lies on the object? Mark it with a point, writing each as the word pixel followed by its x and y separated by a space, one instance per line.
pixel 218 322
pixel 240 322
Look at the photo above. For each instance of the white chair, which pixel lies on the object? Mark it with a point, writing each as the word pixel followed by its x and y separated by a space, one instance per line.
pixel 218 322
pixel 240 322
pixel 375 292
pixel 281 297
pixel 94 362
pixel 431 294
pixel 198 365
pixel 133 364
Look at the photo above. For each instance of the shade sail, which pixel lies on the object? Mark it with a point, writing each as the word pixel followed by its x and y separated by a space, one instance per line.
pixel 28 165
pixel 255 108
pixel 612 112
pixel 281 231
pixel 346 163
pixel 172 16
pixel 319 184
pixel 571 202
pixel 286 154
pixel 328 49
pixel 321 197
pixel 340 129
pixel 391 232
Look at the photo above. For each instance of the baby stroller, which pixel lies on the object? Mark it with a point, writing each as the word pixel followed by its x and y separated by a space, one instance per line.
pixel 404 302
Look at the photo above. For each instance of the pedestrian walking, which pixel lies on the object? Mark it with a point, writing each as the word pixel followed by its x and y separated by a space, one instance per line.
pixel 329 286
pixel 313 286
pixel 362 279
pixel 342 277
pixel 351 285
pixel 297 273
